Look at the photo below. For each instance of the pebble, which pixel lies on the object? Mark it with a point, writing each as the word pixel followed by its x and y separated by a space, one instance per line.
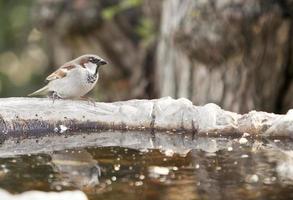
pixel 243 140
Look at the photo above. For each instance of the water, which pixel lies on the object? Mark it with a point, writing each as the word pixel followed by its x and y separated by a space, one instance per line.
pixel 207 168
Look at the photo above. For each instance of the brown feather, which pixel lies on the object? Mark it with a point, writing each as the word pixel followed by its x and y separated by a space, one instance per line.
pixel 61 72
pixel 68 67
pixel 82 62
pixel 56 75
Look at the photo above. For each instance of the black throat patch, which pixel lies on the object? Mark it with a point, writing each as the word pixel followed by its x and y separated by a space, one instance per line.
pixel 91 78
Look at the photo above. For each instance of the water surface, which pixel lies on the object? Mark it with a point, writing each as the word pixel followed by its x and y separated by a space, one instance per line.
pixel 160 166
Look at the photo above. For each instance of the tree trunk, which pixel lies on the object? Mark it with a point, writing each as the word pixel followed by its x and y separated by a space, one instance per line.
pixel 235 54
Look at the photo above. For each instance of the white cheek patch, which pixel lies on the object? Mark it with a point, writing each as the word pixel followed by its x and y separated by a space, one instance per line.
pixel 91 67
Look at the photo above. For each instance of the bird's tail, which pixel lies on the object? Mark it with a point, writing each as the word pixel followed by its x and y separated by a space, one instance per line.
pixel 42 91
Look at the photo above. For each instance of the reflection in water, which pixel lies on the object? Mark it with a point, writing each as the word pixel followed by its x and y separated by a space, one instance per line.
pixel 76 167
pixel 283 159
pixel 169 142
pixel 161 166
pixel 285 167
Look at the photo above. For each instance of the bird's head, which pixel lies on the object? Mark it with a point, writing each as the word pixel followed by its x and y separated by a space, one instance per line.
pixel 91 62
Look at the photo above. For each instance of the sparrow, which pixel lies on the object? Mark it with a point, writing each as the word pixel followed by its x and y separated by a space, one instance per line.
pixel 73 79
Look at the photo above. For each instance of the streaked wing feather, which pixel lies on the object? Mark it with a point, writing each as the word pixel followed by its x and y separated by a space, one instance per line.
pixel 61 72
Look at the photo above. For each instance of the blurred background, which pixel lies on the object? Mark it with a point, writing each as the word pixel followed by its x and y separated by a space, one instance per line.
pixel 235 53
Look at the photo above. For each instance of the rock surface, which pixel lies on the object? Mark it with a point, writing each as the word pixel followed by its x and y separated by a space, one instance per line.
pixel 22 118
pixel 37 195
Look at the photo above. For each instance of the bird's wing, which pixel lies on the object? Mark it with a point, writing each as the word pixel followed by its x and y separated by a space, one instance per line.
pixel 61 72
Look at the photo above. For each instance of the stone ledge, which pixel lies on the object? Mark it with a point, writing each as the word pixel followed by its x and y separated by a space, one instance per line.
pixel 34 117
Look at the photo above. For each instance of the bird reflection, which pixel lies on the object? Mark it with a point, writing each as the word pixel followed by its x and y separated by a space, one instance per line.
pixel 76 168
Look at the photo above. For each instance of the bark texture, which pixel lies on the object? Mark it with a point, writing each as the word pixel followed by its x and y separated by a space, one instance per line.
pixel 237 54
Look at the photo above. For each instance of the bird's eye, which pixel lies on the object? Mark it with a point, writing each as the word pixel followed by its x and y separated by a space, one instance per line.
pixel 93 60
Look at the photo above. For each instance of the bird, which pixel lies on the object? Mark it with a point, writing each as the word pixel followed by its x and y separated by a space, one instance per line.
pixel 74 79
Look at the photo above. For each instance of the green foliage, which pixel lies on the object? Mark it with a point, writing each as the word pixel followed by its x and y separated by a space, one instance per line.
pixel 146 29
pixel 110 12
pixel 14 23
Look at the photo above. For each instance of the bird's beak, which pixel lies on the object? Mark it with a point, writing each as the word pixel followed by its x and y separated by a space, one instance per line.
pixel 103 62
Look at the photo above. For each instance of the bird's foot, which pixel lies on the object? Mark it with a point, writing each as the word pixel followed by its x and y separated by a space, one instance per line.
pixel 54 96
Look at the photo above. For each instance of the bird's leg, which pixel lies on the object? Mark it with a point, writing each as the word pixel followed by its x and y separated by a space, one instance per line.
pixel 89 100
pixel 53 95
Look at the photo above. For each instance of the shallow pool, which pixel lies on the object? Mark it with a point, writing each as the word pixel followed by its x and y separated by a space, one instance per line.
pixel 161 166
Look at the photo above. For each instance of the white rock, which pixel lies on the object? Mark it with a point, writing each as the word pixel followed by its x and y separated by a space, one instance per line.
pixel 230 149
pixel 243 140
pixel 245 135
pixel 155 171
pixel 169 152
pixel 38 195
pixel 282 125
pixel 252 178
pixel 63 128
pixel 173 114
